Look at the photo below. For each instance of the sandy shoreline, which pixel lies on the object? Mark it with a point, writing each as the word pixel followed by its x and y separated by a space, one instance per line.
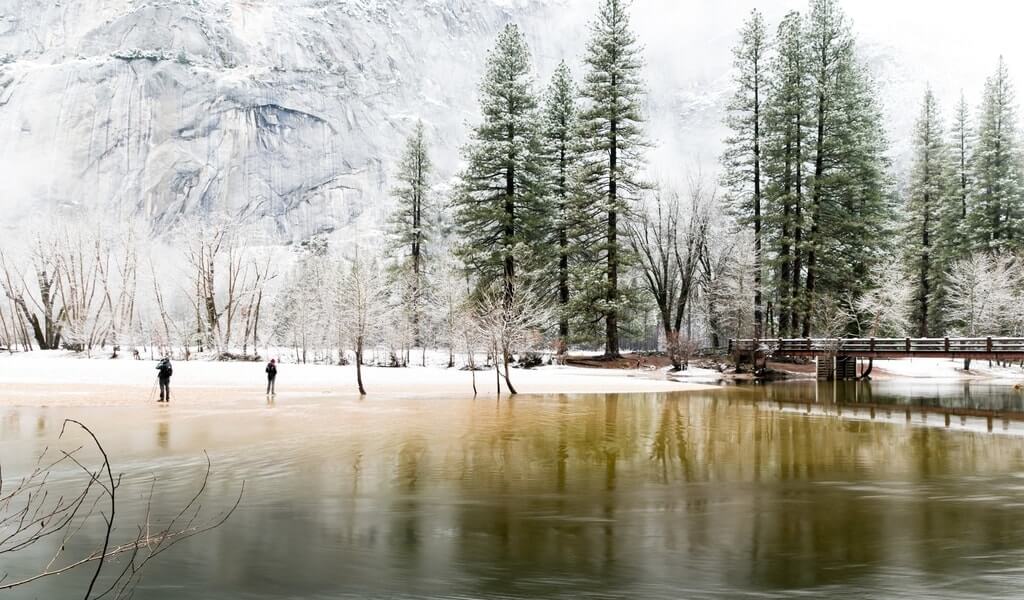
pixel 51 379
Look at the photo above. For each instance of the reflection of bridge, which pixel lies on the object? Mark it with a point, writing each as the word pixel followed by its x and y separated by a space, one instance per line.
pixel 860 400
pixel 840 354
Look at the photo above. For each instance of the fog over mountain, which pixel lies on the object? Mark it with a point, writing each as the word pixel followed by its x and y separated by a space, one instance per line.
pixel 294 111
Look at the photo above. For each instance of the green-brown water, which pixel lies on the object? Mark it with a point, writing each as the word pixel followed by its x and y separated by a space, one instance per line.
pixel 730 493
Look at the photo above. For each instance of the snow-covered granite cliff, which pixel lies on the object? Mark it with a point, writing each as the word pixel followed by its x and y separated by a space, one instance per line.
pixel 293 111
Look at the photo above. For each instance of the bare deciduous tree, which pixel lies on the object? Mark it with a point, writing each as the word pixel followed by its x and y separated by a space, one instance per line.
pixel 669 238
pixel 34 297
pixel 982 292
pixel 511 323
pixel 362 298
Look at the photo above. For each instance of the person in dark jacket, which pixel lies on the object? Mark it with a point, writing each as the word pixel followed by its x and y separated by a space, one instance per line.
pixel 163 375
pixel 271 376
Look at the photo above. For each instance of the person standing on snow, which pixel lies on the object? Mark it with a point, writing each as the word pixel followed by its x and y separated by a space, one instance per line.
pixel 163 375
pixel 271 376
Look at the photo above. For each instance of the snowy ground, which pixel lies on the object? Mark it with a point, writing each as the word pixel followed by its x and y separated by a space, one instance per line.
pixel 945 370
pixel 62 378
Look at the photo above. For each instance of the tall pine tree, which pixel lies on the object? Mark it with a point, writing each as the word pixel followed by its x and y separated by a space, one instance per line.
pixel 612 123
pixel 954 240
pixel 851 206
pixel 410 226
pixel 928 197
pixel 561 147
pixel 785 157
pixel 499 208
pixel 995 216
pixel 830 47
pixel 743 156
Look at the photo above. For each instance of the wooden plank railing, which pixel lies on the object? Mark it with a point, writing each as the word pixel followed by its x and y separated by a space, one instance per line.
pixel 887 346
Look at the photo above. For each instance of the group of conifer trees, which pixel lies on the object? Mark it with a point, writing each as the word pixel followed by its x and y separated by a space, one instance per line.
pixel 806 167
pixel 807 172
pixel 544 203
pixel 964 196
pixel 549 177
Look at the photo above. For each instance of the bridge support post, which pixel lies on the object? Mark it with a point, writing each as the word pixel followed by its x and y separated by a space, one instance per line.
pixel 826 367
pixel 837 368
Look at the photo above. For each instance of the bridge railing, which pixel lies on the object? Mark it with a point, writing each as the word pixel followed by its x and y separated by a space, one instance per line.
pixel 985 345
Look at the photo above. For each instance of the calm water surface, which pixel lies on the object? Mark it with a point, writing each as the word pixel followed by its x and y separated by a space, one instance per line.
pixel 759 492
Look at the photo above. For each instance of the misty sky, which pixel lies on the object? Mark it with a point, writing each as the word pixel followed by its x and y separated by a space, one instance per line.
pixel 950 45
pixel 954 43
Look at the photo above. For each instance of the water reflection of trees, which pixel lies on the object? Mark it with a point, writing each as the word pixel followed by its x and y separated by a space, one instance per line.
pixel 772 498
pixel 712 491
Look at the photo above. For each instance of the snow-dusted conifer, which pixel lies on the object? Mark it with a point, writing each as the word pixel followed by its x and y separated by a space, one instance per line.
pixel 929 193
pixel 962 147
pixel 851 207
pixel 997 206
pixel 785 158
pixel 742 160
pixel 411 226
pixel 562 153
pixel 612 125
pixel 499 206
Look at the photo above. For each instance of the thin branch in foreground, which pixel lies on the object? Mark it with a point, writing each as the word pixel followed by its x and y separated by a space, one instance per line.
pixel 29 514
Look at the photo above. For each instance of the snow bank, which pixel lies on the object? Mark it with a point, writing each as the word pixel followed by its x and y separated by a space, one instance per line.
pixel 57 374
pixel 945 370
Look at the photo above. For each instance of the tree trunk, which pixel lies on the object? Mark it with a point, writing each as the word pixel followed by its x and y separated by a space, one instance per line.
pixel 563 259
pixel 611 346
pixel 359 366
pixel 819 172
pixel 758 292
pixel 672 340
pixel 497 374
pixel 508 382
pixel 510 229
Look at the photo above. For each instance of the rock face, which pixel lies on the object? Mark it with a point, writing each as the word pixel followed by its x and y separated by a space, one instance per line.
pixel 292 112
pixel 289 111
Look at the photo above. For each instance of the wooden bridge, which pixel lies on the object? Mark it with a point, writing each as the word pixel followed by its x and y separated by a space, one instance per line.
pixel 837 356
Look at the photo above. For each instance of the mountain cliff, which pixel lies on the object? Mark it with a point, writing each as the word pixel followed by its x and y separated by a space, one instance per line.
pixel 293 111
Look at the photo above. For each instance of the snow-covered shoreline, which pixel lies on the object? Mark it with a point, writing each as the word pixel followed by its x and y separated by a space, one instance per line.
pixel 937 369
pixel 63 378
pixel 56 378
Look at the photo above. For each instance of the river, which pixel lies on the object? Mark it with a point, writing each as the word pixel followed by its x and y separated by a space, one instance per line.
pixel 797 489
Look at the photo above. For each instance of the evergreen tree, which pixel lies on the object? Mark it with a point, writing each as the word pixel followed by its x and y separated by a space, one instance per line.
pixel 851 209
pixel 954 241
pixel 561 146
pixel 994 218
pixel 411 224
pixel 830 46
pixel 962 132
pixel 742 161
pixel 500 213
pixel 929 193
pixel 785 157
pixel 612 127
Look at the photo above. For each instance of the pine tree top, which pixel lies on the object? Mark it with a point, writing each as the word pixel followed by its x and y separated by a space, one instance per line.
pixel 613 81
